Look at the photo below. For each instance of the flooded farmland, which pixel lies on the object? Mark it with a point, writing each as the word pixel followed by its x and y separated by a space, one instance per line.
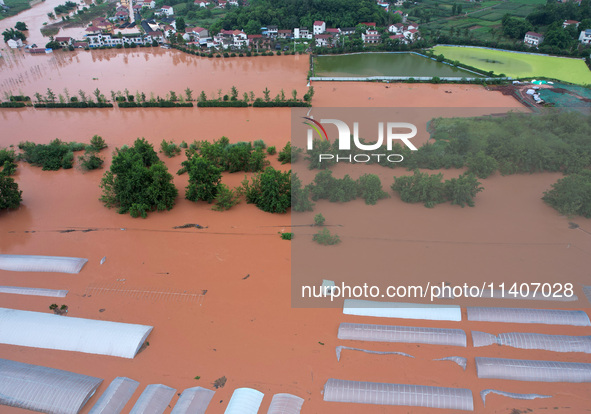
pixel 219 297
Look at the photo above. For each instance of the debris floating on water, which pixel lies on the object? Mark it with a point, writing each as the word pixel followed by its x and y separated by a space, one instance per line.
pixel 103 259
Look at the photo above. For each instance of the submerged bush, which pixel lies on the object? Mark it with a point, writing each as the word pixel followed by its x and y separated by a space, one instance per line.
pixel 52 156
pixel 571 195
pixel 324 237
pixel 169 148
pixel 138 182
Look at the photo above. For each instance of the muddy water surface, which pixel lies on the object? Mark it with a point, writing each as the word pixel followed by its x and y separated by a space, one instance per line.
pixel 244 327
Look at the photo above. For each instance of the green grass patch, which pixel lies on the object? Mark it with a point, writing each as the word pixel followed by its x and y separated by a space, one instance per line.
pixel 16 6
pixel 519 65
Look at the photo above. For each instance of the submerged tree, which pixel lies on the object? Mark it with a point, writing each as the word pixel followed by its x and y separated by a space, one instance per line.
pixel 10 195
pixel 138 182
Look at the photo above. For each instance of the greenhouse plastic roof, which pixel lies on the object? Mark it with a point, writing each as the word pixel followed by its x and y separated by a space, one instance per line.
pixel 527 370
pixel 244 401
pixel 15 290
pixel 409 334
pixel 24 263
pixel 285 404
pixel 402 310
pixel 336 390
pixel 556 343
pixel 44 330
pixel 517 315
pixel 153 400
pixel 193 401
pixel 115 396
pixel 44 389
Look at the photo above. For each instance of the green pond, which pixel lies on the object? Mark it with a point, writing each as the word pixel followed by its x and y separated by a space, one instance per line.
pixel 385 64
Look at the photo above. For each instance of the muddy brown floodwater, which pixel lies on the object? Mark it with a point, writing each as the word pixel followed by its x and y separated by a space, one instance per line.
pixel 245 328
pixel 150 70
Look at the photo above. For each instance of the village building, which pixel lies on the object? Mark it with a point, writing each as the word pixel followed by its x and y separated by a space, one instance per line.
pixel 64 41
pixel 533 39
pixel 302 33
pixel 319 27
pixel 371 36
pixel 585 37
pixel 167 10
pixel 567 23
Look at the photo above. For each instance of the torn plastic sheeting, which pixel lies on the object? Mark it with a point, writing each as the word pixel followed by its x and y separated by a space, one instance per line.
pixel 484 393
pixel 461 361
pixel 50 293
pixel 26 263
pixel 115 396
pixel 528 370
pixel 402 310
pixel 522 340
pixel 407 334
pixel 367 351
pixel 336 390
pixel 285 404
pixel 153 400
pixel 193 401
pixel 518 315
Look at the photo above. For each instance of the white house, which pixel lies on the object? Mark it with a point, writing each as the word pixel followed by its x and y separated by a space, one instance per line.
pixel 195 34
pixel 14 43
pixel 371 36
pixel 201 3
pixel 272 31
pixel 533 39
pixel 396 28
pixel 319 27
pixel 323 40
pixel 302 33
pixel 585 37
pixel 167 10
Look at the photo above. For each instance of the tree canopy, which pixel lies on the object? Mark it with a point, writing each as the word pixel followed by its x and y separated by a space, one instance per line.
pixel 138 182
pixel 287 14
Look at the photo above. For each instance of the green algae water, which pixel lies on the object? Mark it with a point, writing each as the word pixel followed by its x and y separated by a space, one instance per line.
pixel 385 64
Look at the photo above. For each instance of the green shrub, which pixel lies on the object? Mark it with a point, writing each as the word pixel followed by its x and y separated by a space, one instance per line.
pixel 420 188
pixel 300 196
pixel 370 188
pixel 10 195
pixel 482 165
pixel 286 236
pixel 226 198
pixel 98 143
pixel 52 156
pixel 571 195
pixel 204 179
pixel 137 181
pixel 286 155
pixel 325 238
pixel 170 149
pixel 319 220
pixel 259 144
pixel 90 161
pixel 271 150
pixel 269 190
pixel 462 190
